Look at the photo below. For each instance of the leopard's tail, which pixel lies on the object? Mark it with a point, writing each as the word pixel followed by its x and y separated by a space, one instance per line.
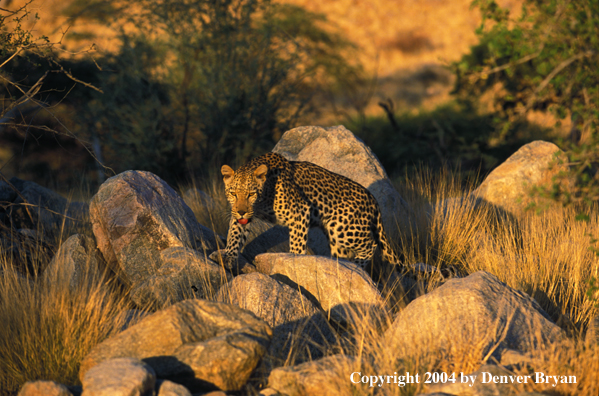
pixel 389 254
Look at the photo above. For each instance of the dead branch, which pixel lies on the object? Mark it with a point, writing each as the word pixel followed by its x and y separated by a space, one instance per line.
pixel 389 108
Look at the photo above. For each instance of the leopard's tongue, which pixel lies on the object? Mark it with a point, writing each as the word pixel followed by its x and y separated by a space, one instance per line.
pixel 243 221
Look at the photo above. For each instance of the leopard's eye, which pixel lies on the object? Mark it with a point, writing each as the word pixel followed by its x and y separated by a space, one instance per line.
pixel 251 194
pixel 234 195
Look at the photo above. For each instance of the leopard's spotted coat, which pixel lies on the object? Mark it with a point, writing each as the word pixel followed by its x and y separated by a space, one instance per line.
pixel 301 195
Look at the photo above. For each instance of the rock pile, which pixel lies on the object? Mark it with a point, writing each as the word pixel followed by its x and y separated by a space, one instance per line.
pixel 277 321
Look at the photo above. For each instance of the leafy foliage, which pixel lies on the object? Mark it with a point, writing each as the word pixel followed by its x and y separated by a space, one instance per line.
pixel 543 60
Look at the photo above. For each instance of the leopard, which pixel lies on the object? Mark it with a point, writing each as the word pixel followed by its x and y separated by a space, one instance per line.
pixel 301 195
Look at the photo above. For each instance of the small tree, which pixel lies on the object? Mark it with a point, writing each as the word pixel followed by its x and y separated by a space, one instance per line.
pixel 30 69
pixel 227 77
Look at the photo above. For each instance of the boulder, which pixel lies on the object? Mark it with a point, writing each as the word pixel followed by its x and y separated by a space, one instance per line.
pixel 197 343
pixel 135 216
pixel 28 250
pixel 338 150
pixel 44 388
pixel 169 388
pixel 341 288
pixel 479 310
pixel 119 377
pixel 184 273
pixel 300 330
pixel 509 185
pixel 77 263
pixel 329 376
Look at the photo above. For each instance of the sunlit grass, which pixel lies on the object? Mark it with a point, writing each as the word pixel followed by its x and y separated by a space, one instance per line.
pixel 47 325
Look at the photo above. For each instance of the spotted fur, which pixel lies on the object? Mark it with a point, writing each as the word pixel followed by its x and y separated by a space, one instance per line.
pixel 301 195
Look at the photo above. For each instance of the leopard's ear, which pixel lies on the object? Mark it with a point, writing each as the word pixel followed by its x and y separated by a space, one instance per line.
pixel 228 173
pixel 260 173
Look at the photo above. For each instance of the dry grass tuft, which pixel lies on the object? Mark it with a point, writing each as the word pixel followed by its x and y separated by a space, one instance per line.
pixel 47 327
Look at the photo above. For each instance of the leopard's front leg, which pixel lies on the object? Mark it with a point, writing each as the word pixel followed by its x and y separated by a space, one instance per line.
pixel 236 238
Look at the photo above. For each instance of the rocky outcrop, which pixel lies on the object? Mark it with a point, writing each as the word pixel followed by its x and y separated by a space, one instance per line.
pixel 338 150
pixel 282 312
pixel 77 262
pixel 119 377
pixel 479 308
pixel 509 185
pixel 44 388
pixel 300 330
pixel 329 376
pixel 343 290
pixel 196 343
pixel 169 388
pixel 135 216
pixel 184 273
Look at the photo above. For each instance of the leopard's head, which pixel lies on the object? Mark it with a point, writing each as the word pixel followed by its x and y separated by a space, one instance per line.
pixel 243 188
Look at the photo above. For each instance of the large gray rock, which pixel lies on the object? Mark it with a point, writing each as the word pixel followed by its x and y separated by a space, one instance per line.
pixel 300 330
pixel 184 273
pixel 329 376
pixel 169 388
pixel 77 263
pixel 44 388
pixel 338 150
pixel 343 290
pixel 509 185
pixel 197 343
pixel 119 377
pixel 480 310
pixel 135 216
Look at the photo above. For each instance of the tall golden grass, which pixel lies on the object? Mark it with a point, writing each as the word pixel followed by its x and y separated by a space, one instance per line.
pixel 47 326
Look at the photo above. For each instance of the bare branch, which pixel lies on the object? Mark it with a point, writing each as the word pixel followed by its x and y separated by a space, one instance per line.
pixel 508 65
pixel 69 75
pixel 27 96
pixel 12 56
pixel 389 108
